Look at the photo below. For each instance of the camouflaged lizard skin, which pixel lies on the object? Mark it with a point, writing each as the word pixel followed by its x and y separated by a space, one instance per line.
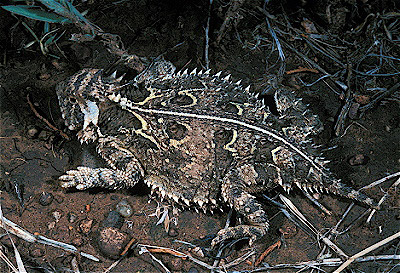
pixel 196 139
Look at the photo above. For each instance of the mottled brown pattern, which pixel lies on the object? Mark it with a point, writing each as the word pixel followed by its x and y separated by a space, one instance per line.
pixel 195 139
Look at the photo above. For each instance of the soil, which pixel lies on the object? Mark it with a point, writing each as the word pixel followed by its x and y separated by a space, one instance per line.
pixel 33 155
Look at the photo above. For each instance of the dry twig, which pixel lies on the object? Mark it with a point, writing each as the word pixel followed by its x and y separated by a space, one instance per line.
pixel 328 262
pixel 51 126
pixel 366 251
pixel 267 251
pixel 231 13
pixel 302 69
pixel 37 238
pixel 180 255
pixel 380 181
pixel 383 199
pixel 308 224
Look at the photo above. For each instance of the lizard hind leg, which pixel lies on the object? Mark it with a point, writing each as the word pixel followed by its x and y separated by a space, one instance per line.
pixel 234 193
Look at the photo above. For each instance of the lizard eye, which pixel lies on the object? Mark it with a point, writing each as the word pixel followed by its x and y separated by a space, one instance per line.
pixel 182 100
pixel 72 100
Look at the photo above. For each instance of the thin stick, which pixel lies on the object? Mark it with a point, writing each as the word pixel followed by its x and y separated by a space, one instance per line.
pixel 355 222
pixel 366 251
pixel 383 199
pixel 239 260
pixel 328 262
pixel 145 250
pixel 232 10
pixel 315 201
pixel 302 69
pixel 339 126
pixel 306 222
pixel 335 228
pixel 267 251
pixel 227 223
pixel 207 46
pixel 380 97
pixel 45 120
pixel 128 246
pixel 181 254
pixel 36 238
pixel 380 181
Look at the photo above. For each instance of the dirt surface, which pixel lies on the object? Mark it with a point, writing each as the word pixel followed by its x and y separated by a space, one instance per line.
pixel 367 149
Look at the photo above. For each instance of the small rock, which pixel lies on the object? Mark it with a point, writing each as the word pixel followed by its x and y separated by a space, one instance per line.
pixel 81 52
pixel 193 270
pixel 44 76
pixel 59 66
pixel 36 252
pixel 57 215
pixel 5 240
pixel 71 217
pixel 32 132
pixel 358 159
pixel 59 199
pixel 113 219
pixel 85 225
pixel 362 99
pixel 77 241
pixel 51 225
pixel 289 230
pixel 44 135
pixel 45 198
pixel 124 208
pixel 353 111
pixel 176 264
pixel 173 232
pixel 114 197
pixel 112 242
pixel 198 251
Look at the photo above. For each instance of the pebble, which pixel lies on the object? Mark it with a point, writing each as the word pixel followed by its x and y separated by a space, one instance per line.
pixel 289 230
pixel 5 240
pixel 124 208
pixel 44 76
pixel 173 232
pixel 57 215
pixel 45 198
pixel 59 199
pixel 32 132
pixel 44 135
pixel 197 251
pixel 77 241
pixel 72 217
pixel 36 252
pixel 111 242
pixel 193 270
pixel 85 225
pixel 176 264
pixel 358 159
pixel 353 111
pixel 51 225
pixel 113 219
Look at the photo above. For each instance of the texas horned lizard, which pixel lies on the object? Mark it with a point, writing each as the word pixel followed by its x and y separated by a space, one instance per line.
pixel 196 139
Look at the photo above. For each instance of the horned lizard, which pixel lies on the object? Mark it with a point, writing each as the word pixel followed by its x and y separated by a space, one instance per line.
pixel 197 139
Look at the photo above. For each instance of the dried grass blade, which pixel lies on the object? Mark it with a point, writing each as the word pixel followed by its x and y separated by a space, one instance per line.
pixel 366 251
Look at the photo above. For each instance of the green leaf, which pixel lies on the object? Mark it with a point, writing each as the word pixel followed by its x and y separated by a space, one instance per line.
pixel 57 7
pixel 36 14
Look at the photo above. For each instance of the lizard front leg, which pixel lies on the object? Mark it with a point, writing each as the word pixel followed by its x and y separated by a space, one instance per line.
pixel 125 169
